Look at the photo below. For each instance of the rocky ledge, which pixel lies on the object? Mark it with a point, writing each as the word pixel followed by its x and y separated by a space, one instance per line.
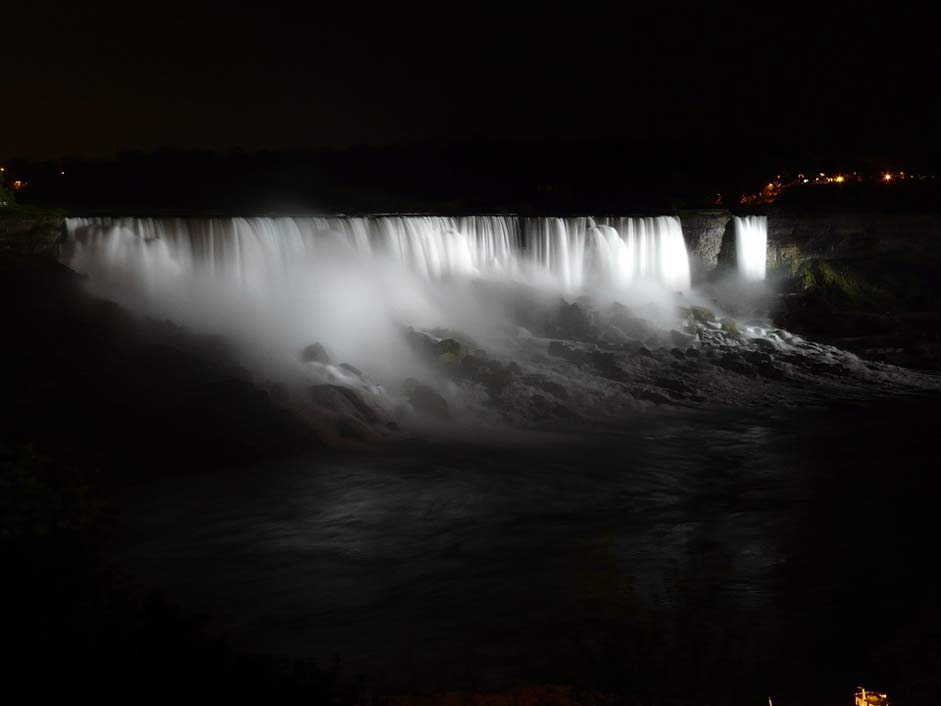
pixel 30 232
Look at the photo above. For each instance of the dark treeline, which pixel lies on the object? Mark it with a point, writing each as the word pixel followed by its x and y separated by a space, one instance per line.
pixel 483 176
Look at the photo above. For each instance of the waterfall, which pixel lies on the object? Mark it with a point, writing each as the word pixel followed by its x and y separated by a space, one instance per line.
pixel 575 254
pixel 273 286
pixel 751 246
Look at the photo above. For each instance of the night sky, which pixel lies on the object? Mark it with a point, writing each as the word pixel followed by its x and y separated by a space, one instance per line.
pixel 94 79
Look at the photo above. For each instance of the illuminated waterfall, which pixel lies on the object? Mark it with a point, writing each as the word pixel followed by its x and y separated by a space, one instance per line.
pixel 751 246
pixel 614 252
pixel 575 254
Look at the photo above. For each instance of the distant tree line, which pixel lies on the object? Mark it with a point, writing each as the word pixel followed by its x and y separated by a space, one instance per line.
pixel 538 176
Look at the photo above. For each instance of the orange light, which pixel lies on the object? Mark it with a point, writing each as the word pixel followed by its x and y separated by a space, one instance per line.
pixel 840 179
pixel 887 177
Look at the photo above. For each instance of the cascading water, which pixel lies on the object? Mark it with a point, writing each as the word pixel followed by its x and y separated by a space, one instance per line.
pixel 478 310
pixel 614 252
pixel 273 286
pixel 751 246
pixel 575 254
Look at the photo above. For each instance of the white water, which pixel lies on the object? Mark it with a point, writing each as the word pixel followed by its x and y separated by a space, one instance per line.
pixel 614 252
pixel 751 246
pixel 574 255
pixel 272 286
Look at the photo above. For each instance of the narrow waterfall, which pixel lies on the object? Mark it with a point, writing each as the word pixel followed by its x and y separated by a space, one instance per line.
pixel 751 246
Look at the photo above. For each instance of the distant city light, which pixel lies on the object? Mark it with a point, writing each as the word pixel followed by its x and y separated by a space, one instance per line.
pixel 770 192
pixel 863 697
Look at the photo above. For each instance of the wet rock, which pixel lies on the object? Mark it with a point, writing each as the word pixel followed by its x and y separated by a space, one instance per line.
pixel 349 429
pixel 575 322
pixel 607 364
pixel 558 349
pixel 611 334
pixel 343 401
pixel 772 372
pixel 729 327
pixel 446 351
pixel 681 339
pixel 697 314
pixel 351 369
pixel 538 358
pixel 560 410
pixel 278 392
pixel 544 383
pixel 757 357
pixel 630 324
pixel 674 385
pixel 618 309
pixel 736 365
pixel 315 353
pixel 652 396
pixel 764 343
pixel 426 400
pixel 492 374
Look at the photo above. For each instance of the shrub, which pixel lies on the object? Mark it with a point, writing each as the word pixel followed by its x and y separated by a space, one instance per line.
pixel 6 196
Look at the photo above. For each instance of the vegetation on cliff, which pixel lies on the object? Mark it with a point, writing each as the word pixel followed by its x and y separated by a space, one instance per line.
pixel 6 197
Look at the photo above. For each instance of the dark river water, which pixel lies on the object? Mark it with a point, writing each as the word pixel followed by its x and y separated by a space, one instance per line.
pixel 745 554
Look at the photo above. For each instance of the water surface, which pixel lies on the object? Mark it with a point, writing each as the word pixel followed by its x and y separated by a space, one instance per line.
pixel 756 553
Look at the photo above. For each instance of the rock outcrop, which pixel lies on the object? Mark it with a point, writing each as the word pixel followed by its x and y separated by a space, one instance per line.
pixel 33 234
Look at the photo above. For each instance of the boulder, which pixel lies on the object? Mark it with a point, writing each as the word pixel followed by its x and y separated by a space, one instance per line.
pixel 427 401
pixel 446 351
pixel 698 314
pixel 352 369
pixel 343 401
pixel 544 383
pixel 681 339
pixel 315 353
pixel 631 324
pixel 558 349
pixel 574 321
pixel 493 374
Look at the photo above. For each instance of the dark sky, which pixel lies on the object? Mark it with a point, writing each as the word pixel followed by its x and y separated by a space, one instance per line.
pixel 91 79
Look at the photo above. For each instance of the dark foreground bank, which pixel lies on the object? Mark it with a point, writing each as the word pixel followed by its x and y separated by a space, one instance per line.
pixel 91 397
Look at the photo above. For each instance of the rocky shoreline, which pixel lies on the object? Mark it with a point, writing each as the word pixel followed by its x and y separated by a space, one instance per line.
pixel 863 281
